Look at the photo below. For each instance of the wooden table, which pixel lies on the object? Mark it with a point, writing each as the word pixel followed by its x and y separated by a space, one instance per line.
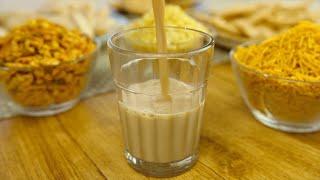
pixel 86 143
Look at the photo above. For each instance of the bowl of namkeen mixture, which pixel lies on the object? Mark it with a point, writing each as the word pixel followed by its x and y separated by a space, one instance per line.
pixel 280 78
pixel 44 67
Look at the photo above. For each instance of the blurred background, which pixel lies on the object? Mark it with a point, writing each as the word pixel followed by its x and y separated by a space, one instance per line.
pixel 233 21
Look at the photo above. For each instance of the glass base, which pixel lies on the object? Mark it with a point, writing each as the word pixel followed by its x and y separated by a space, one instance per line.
pixel 161 169
pixel 285 126
pixel 47 111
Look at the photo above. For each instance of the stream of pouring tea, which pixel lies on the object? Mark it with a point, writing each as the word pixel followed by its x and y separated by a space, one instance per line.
pixel 159 10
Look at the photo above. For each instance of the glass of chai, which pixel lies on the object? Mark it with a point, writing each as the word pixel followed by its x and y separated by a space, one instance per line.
pixel 161 131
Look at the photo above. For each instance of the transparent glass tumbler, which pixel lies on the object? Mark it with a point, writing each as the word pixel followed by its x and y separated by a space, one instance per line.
pixel 161 132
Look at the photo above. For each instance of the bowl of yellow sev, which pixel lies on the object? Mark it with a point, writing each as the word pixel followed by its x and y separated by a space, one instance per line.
pixel 279 78
pixel 44 67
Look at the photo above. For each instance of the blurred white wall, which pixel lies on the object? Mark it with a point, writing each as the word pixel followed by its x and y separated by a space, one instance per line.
pixel 20 5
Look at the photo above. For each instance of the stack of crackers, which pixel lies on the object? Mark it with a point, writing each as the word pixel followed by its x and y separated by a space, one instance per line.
pixel 257 21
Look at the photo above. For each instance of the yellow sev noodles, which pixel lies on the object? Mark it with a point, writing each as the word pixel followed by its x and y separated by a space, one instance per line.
pixel 294 54
pixel 280 77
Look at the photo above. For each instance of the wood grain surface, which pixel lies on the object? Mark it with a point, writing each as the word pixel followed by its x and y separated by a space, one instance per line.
pixel 86 143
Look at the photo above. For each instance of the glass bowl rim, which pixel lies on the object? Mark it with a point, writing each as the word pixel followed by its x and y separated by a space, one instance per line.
pixel 112 45
pixel 262 74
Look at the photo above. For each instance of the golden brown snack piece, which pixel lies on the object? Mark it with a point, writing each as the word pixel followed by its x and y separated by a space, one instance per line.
pixel 239 11
pixel 247 28
pixel 224 25
pixel 259 20
pixel 44 63
pixel 260 15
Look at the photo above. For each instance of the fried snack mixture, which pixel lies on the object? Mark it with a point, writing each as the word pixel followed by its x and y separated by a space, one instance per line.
pixel 258 21
pixel 42 63
pixel 291 89
pixel 176 40
pixel 293 54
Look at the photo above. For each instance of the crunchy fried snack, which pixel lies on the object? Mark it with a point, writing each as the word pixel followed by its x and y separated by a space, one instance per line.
pixel 257 21
pixel 281 74
pixel 42 63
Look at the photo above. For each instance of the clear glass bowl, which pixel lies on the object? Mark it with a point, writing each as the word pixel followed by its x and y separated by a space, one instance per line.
pixel 46 90
pixel 284 104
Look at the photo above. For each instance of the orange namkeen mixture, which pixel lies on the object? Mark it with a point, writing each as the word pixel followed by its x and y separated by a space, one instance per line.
pixel 40 63
pixel 294 54
pixel 281 75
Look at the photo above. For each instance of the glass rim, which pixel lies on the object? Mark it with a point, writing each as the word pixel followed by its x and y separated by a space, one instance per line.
pixel 119 49
pixel 97 42
pixel 263 74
